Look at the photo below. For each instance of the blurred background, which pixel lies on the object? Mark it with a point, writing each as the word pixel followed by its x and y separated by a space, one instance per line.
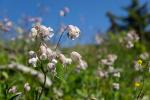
pixel 114 45
pixel 93 17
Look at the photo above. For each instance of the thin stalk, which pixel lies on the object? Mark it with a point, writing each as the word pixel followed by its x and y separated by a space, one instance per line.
pixel 141 90
pixel 59 39
pixel 43 83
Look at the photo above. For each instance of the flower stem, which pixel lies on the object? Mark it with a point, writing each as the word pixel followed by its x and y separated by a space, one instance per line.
pixel 43 83
pixel 60 39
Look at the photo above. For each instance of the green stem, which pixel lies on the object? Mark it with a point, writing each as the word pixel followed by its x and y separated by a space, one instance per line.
pixel 43 83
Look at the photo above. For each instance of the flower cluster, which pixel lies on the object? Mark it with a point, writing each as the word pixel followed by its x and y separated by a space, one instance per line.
pixel 6 25
pixel 76 57
pixel 64 11
pixel 108 69
pixel 52 56
pixel 130 38
pixel 14 90
pixel 73 32
pixel 42 32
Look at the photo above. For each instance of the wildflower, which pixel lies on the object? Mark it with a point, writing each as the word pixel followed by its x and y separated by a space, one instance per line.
pixel 75 56
pixel 73 32
pixel 102 74
pixel 13 89
pixel 129 44
pixel 116 74
pixel 99 40
pixel 137 84
pixel 27 87
pixel 33 61
pixel 62 13
pixel 43 51
pixel 64 60
pixel 51 68
pixel 130 38
pixel 58 92
pixel 82 65
pixel 54 61
pixel 112 57
pixel 32 54
pixel 116 86
pixel 144 56
pixel 42 32
pixel 139 62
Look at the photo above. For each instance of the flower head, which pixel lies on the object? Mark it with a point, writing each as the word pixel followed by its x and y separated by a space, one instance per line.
pixel 42 32
pixel 27 87
pixel 73 32
pixel 137 84
pixel 13 89
pixel 75 56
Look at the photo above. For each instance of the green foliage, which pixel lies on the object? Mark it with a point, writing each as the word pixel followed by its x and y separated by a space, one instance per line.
pixel 137 18
pixel 70 84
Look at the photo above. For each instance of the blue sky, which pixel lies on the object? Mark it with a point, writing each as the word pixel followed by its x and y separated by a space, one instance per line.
pixel 89 15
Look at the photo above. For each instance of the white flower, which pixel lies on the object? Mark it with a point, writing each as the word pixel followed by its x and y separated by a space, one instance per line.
pixel 33 61
pixel 34 32
pixel 116 74
pixel 102 74
pixel 42 32
pixel 54 61
pixel 43 51
pixel 51 54
pixel 129 44
pixel 31 53
pixel 116 86
pixel 82 65
pixel 64 60
pixel 144 56
pixel 62 13
pixel 75 56
pixel 13 89
pixel 27 87
pixel 73 32
pixel 51 68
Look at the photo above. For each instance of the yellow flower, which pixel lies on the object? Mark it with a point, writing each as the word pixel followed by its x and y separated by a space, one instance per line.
pixel 137 84
pixel 140 62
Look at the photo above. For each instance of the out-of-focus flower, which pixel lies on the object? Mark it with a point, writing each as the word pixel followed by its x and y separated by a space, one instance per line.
pixel 64 11
pixel 13 89
pixel 75 56
pixel 130 38
pixel 116 86
pixel 116 74
pixel 27 87
pixel 140 62
pixel 43 51
pixel 33 61
pixel 32 58
pixel 64 60
pixel 73 32
pixel 58 92
pixel 6 25
pixel 82 65
pixel 52 68
pixel 102 74
pixel 111 58
pixel 99 39
pixel 51 54
pixel 144 56
pixel 137 84
pixel 42 32
pixel 129 44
